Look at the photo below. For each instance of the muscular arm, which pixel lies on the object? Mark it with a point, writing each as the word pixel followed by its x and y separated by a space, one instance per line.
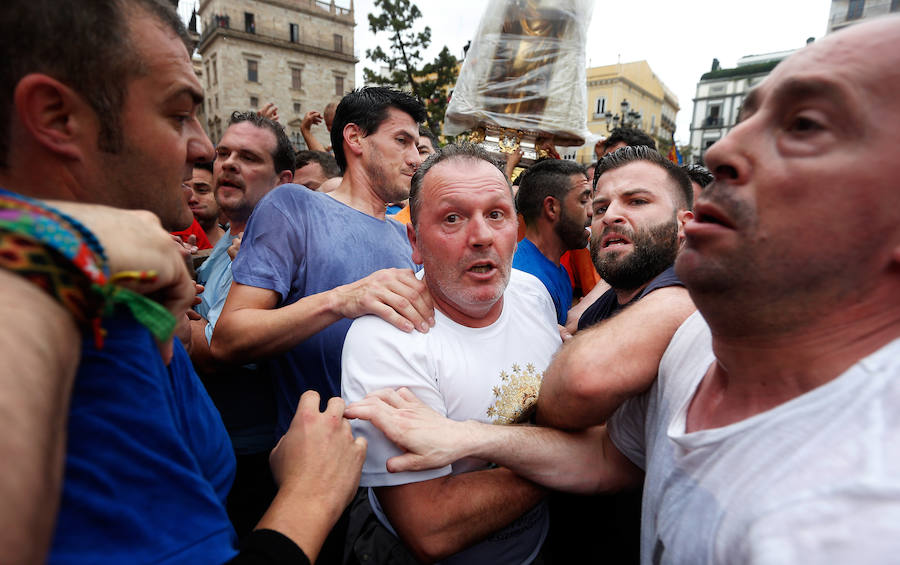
pixel 39 351
pixel 575 312
pixel 251 327
pixel 584 461
pixel 600 367
pixel 440 517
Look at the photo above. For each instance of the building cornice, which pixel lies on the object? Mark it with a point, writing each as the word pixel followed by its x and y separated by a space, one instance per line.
pixel 298 47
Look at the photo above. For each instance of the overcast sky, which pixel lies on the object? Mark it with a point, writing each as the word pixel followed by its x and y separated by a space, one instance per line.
pixel 677 38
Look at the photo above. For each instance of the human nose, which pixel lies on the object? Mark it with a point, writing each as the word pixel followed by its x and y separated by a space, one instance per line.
pixel 727 159
pixel 200 148
pixel 614 214
pixel 192 197
pixel 479 232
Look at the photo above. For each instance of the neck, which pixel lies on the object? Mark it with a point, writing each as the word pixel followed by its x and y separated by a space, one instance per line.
pixel 237 226
pixel 547 242
pixel 625 296
pixel 357 191
pixel 758 369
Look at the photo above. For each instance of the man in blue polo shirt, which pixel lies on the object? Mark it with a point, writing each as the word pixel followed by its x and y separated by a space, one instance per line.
pixel 554 199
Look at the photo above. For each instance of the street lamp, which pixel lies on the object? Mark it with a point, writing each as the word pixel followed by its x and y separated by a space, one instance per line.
pixel 628 118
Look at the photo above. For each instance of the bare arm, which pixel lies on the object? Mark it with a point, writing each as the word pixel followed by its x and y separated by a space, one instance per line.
pixel 311 118
pixel 317 465
pixel 601 367
pixel 251 327
pixel 584 461
pixel 39 351
pixel 440 517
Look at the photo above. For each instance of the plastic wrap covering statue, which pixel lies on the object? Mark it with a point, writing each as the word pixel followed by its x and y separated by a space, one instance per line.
pixel 524 75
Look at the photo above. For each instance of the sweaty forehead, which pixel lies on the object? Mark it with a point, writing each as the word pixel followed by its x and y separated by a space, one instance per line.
pixel 639 175
pixel 458 177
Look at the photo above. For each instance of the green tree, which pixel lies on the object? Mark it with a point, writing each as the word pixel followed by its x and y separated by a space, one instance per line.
pixel 429 82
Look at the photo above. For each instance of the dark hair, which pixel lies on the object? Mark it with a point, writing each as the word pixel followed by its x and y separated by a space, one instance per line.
pixel 548 177
pixel 283 157
pixel 631 137
pixel 684 196
pixel 426 132
pixel 463 150
pixel 325 160
pixel 367 107
pixel 699 174
pixel 85 45
pixel 205 165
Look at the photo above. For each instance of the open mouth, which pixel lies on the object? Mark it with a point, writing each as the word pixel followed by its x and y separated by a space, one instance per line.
pixel 706 214
pixel 614 239
pixel 481 268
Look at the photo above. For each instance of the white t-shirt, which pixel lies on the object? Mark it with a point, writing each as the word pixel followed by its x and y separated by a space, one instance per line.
pixel 813 480
pixel 465 374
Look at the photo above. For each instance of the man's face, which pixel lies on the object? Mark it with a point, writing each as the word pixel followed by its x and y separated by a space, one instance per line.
pixel 162 137
pixel 425 147
pixel 390 156
pixel 575 214
pixel 202 200
pixel 805 206
pixel 244 169
pixel 310 175
pixel 466 237
pixel 637 228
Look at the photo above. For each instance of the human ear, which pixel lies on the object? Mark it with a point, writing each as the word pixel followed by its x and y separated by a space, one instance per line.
pixel 414 243
pixel 55 116
pixel 353 136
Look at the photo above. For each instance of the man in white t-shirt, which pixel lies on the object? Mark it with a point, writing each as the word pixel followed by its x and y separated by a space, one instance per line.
pixel 495 332
pixel 771 433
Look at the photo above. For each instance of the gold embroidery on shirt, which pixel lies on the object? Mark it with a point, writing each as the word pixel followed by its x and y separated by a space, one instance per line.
pixel 515 398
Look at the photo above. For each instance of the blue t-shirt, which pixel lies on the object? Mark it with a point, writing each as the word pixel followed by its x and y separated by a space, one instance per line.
pixel 148 462
pixel 299 242
pixel 608 303
pixel 529 258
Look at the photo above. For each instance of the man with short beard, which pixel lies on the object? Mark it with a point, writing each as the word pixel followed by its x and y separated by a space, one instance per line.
pixel 554 199
pixel 641 204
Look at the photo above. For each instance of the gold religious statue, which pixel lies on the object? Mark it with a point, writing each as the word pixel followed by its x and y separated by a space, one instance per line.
pixel 523 79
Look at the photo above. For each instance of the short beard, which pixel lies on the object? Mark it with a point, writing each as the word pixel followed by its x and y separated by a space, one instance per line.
pixel 653 251
pixel 570 232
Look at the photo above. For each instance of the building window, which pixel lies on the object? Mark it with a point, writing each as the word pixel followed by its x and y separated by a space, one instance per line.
pixel 296 107
pixel 295 33
pixel 217 101
pixel 895 5
pixel 252 70
pixel 249 23
pixel 855 9
pixel 296 78
pixel 600 107
pixel 339 86
pixel 215 72
pixel 338 43
pixel 208 76
pixel 713 115
pixel 254 101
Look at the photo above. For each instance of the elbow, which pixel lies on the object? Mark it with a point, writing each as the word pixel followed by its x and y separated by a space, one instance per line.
pixel 222 350
pixel 429 549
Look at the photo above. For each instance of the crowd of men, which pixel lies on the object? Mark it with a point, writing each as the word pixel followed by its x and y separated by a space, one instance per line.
pixel 734 374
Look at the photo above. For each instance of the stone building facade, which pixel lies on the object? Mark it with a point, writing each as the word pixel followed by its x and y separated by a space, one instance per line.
pixel 720 94
pixel 609 85
pixel 297 54
pixel 848 12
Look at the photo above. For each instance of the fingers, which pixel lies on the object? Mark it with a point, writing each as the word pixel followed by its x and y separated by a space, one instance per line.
pixel 409 304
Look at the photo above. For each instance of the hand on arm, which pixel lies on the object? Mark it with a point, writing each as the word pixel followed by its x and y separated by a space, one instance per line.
pixel 134 240
pixel 575 312
pixel 583 461
pixel 251 327
pixel 602 366
pixel 317 465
